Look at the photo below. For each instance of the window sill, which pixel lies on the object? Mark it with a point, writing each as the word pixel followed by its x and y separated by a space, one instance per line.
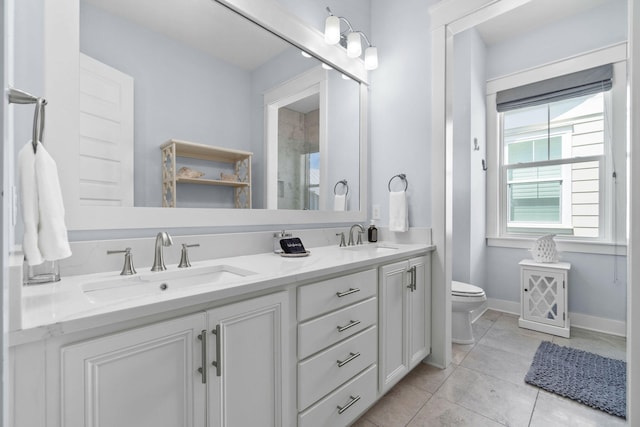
pixel 563 245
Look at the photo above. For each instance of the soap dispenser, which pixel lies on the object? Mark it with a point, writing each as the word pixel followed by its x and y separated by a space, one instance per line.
pixel 372 233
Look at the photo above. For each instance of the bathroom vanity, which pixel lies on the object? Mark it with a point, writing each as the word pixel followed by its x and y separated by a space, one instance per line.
pixel 251 340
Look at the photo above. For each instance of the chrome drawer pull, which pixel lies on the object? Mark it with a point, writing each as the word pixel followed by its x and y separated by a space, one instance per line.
pixel 352 356
pixel 203 370
pixel 349 292
pixel 350 325
pixel 353 400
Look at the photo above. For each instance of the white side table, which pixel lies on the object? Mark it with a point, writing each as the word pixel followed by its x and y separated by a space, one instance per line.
pixel 544 297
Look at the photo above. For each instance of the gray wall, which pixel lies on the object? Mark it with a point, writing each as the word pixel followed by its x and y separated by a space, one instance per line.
pixel 400 119
pixel 595 28
pixel 469 197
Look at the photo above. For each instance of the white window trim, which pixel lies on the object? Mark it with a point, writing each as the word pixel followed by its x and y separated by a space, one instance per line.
pixel 496 223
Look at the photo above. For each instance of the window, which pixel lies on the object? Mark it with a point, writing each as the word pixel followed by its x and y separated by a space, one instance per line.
pixel 556 154
pixel 552 160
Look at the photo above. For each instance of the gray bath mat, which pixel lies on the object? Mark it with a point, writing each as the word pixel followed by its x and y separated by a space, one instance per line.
pixel 596 381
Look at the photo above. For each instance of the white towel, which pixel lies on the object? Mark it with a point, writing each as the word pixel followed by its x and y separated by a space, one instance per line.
pixel 45 233
pixel 29 201
pixel 398 211
pixel 340 202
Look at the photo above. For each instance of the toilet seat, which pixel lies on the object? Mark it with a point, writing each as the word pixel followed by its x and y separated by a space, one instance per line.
pixel 461 289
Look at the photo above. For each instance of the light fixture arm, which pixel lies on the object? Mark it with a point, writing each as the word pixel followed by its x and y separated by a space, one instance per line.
pixel 366 39
pixel 345 20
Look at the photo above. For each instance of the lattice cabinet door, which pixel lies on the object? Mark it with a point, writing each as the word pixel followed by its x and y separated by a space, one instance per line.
pixel 544 297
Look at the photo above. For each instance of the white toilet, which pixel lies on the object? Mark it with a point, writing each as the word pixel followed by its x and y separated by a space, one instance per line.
pixel 464 299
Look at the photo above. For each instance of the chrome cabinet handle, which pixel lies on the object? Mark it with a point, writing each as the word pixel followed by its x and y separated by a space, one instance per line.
pixel 352 400
pixel 203 370
pixel 415 277
pixel 352 356
pixel 412 278
pixel 218 362
pixel 349 325
pixel 349 292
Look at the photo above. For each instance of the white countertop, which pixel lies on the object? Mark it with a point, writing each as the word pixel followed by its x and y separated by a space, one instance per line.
pixel 63 307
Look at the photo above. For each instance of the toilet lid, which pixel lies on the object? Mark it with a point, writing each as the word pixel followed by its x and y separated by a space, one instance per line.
pixel 462 289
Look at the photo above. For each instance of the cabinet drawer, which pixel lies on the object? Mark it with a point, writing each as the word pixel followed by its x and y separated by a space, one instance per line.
pixel 335 410
pixel 328 295
pixel 316 334
pixel 320 374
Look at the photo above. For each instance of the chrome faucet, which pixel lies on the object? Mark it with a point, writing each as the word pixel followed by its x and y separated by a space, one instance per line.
pixel 162 239
pixel 127 268
pixel 360 233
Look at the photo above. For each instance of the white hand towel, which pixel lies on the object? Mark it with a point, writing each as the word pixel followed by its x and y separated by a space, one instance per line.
pixel 29 203
pixel 45 236
pixel 340 202
pixel 398 211
pixel 52 235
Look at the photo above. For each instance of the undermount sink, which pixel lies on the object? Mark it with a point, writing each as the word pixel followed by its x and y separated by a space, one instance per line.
pixel 146 284
pixel 372 248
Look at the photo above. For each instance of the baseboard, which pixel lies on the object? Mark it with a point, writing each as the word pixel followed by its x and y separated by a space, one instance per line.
pixel 504 306
pixel 599 324
pixel 478 312
pixel 578 320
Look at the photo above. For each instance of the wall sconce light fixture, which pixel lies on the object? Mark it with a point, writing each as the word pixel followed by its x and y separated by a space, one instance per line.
pixel 351 39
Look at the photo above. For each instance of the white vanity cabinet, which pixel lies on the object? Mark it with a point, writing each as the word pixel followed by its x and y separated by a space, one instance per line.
pixel 142 377
pixel 226 365
pixel 337 349
pixel 316 349
pixel 405 318
pixel 247 362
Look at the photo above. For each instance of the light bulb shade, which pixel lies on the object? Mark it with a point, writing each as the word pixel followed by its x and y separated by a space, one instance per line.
pixel 371 58
pixel 332 30
pixel 354 45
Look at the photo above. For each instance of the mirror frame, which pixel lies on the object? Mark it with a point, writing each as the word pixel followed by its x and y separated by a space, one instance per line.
pixel 61 64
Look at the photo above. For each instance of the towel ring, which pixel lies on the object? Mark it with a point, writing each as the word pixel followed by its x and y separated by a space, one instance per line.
pixel 343 182
pixel 403 177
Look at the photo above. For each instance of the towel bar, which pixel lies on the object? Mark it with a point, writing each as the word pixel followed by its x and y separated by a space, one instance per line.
pixel 17 96
pixel 403 177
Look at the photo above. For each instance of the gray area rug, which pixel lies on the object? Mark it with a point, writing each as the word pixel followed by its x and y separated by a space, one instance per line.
pixel 596 381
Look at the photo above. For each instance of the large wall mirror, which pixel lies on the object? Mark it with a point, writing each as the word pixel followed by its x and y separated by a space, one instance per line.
pixel 201 77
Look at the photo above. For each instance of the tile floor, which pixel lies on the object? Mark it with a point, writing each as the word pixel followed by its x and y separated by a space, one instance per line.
pixel 484 386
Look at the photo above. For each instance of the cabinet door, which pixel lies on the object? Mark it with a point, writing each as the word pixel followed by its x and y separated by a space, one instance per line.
pixel 394 323
pixel 142 377
pixel 419 310
pixel 248 347
pixel 543 296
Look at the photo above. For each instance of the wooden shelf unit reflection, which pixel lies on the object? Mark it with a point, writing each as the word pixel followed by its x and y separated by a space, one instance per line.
pixel 241 161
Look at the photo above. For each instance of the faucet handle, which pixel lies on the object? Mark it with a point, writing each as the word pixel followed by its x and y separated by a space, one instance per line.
pixel 184 257
pixel 127 268
pixel 342 243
